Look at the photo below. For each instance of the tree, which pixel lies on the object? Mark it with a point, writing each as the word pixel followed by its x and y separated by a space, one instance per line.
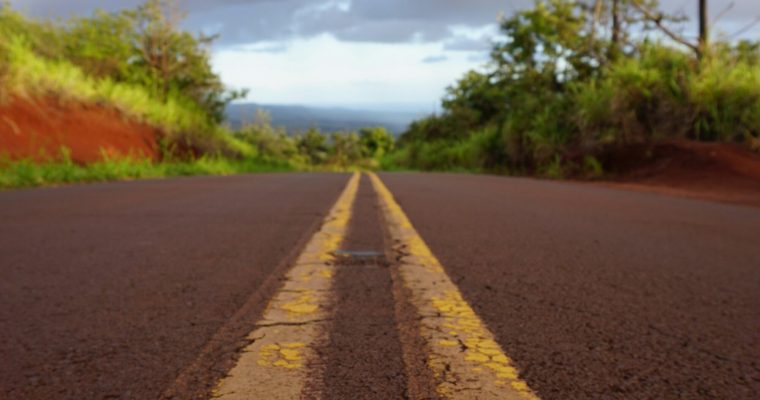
pixel 313 146
pixel 146 46
pixel 346 148
pixel 177 61
pixel 659 19
pixel 103 45
pixel 616 31
pixel 375 142
pixel 270 142
pixel 42 37
pixel 612 22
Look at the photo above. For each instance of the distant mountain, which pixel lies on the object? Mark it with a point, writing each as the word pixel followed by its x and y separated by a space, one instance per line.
pixel 301 118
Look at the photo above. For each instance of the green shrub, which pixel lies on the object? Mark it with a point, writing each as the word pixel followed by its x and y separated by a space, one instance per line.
pixel 592 168
pixel 725 97
pixel 635 100
pixel 554 169
pixel 561 94
pixel 184 126
pixel 97 60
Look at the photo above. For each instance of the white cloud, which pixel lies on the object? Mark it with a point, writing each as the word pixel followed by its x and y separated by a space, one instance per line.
pixel 435 59
pixel 324 70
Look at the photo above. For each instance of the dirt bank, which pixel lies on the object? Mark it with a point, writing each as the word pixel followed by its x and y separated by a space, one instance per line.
pixel 712 171
pixel 39 129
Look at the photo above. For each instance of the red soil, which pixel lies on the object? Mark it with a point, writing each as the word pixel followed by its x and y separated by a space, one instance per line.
pixel 712 171
pixel 38 130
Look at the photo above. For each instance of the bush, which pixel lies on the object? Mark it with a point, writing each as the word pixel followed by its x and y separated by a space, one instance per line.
pixel 98 60
pixel 184 126
pixel 483 151
pixel 725 98
pixel 635 100
pixel 558 93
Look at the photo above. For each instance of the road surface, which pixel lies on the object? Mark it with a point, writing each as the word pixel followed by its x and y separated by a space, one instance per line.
pixel 365 287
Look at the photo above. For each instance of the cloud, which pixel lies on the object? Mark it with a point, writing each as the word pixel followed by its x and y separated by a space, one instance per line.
pixel 435 59
pixel 467 44
pixel 349 51
pixel 264 47
pixel 379 21
pixel 241 21
pixel 479 58
pixel 324 70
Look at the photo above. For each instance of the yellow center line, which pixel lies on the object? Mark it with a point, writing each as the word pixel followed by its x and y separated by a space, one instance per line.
pixel 466 361
pixel 272 366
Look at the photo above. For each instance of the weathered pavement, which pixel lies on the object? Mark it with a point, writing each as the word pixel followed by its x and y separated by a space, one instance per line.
pixel 111 291
pixel 406 286
pixel 599 293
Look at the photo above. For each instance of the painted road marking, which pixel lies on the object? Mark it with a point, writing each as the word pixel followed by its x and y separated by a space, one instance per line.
pixel 274 365
pixel 466 361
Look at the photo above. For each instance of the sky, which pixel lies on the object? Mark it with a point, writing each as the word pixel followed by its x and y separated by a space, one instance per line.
pixel 386 54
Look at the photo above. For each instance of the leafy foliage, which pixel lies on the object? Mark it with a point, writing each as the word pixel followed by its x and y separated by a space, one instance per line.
pixel 136 61
pixel 142 47
pixel 139 62
pixel 314 149
pixel 570 80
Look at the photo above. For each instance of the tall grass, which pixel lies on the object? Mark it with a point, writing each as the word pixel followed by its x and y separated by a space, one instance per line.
pixel 25 173
pixel 33 65
pixel 32 76
pixel 660 94
pixel 725 96
pixel 23 73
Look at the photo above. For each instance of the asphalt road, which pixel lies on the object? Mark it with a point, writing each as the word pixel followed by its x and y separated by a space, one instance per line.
pixel 363 356
pixel 111 291
pixel 599 293
pixel 146 290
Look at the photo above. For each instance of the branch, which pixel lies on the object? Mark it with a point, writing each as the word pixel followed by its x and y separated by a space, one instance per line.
pixel 657 19
pixel 722 13
pixel 597 15
pixel 745 28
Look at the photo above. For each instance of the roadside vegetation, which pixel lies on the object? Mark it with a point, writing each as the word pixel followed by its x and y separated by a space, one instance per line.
pixel 26 173
pixel 141 64
pixel 570 88
pixel 136 61
pixel 572 83
pixel 314 149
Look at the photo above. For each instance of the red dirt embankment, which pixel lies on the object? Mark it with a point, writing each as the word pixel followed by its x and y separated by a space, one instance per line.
pixel 39 129
pixel 711 171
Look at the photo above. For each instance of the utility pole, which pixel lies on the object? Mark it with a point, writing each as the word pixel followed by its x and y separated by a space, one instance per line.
pixel 704 29
pixel 615 45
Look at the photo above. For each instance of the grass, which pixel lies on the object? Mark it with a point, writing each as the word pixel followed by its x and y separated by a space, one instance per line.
pixel 32 66
pixel 26 173
pixel 25 74
pixel 32 76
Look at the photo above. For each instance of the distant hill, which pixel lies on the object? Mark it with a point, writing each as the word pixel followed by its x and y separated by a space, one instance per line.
pixel 300 118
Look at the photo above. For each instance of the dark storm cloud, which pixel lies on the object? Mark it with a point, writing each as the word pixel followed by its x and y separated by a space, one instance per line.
pixel 241 21
pixel 387 21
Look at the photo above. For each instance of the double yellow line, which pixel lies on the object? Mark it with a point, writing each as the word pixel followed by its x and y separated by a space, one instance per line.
pixel 275 365
pixel 465 360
